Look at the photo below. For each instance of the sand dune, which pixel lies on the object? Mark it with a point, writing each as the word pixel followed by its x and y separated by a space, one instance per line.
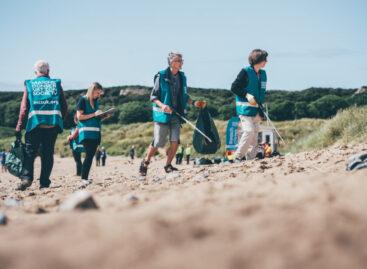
pixel 298 211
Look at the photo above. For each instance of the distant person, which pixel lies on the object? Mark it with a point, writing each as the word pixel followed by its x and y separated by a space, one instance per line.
pixel 89 126
pixel 43 107
pixel 103 156
pixel 98 157
pixel 132 152
pixel 169 94
pixel 179 154
pixel 188 154
pixel 268 151
pixel 260 154
pixel 76 148
pixel 249 88
pixel 2 159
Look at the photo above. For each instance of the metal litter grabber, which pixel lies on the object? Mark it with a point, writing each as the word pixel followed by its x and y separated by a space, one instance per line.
pixel 192 125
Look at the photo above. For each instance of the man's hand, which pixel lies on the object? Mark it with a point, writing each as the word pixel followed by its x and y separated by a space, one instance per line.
pixel 251 99
pixel 166 109
pixel 200 104
pixel 18 135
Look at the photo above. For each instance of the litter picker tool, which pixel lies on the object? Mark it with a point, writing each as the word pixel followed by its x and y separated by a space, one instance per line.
pixel 271 123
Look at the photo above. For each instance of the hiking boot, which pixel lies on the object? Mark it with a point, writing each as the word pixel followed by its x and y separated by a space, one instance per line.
pixel 169 168
pixel 143 169
pixel 24 184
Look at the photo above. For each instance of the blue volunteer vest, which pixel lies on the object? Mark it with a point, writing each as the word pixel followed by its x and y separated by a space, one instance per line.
pixel 255 87
pixel 89 129
pixel 75 145
pixel 44 106
pixel 165 97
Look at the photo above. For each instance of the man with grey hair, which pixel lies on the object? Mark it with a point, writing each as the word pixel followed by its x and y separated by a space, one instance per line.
pixel 43 107
pixel 169 96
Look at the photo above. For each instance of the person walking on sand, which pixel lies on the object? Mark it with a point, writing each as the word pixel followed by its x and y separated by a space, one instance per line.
pixel 132 152
pixel 89 126
pixel 2 159
pixel 169 95
pixel 249 88
pixel 43 107
pixel 103 156
pixel 188 153
pixel 179 154
pixel 98 157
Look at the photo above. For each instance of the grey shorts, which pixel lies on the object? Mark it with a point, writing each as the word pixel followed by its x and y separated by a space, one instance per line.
pixel 163 131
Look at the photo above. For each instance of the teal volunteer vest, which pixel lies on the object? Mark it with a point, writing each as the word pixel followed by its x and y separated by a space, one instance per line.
pixel 44 106
pixel 89 129
pixel 257 88
pixel 165 96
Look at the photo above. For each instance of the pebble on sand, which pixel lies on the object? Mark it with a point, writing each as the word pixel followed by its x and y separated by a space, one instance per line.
pixel 80 200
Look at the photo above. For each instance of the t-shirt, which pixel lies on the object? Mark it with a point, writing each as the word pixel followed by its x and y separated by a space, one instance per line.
pixel 175 90
pixel 82 105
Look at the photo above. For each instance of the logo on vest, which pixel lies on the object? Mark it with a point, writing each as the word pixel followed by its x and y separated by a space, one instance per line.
pixel 44 88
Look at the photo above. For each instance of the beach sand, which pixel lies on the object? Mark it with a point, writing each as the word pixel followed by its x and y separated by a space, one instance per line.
pixel 297 211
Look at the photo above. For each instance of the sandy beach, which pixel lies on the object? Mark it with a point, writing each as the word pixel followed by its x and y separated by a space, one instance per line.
pixel 297 211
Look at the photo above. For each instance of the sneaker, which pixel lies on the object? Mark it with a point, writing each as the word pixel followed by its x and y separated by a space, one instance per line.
pixel 23 185
pixel 239 160
pixel 143 169
pixel 169 168
pixel 45 184
pixel 84 183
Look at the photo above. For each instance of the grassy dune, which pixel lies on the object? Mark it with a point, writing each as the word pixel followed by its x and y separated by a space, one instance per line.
pixel 347 126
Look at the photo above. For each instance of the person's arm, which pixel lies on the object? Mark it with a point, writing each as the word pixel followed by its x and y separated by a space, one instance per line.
pixel 23 112
pixel 240 83
pixel 155 94
pixel 63 104
pixel 74 134
pixel 262 92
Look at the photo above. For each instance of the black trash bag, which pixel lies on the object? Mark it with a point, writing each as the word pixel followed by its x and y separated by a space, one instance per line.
pixel 14 160
pixel 357 161
pixel 206 124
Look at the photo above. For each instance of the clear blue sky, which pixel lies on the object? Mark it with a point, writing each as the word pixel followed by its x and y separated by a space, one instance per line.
pixel 310 43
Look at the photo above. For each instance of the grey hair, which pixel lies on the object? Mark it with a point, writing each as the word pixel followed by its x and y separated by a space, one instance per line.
pixel 42 67
pixel 173 55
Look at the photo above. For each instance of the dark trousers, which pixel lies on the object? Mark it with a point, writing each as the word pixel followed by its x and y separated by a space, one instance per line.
pixel 90 146
pixel 103 161
pixel 78 160
pixel 187 159
pixel 40 140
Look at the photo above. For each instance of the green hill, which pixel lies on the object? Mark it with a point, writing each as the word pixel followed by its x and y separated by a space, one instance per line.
pixel 347 126
pixel 132 103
